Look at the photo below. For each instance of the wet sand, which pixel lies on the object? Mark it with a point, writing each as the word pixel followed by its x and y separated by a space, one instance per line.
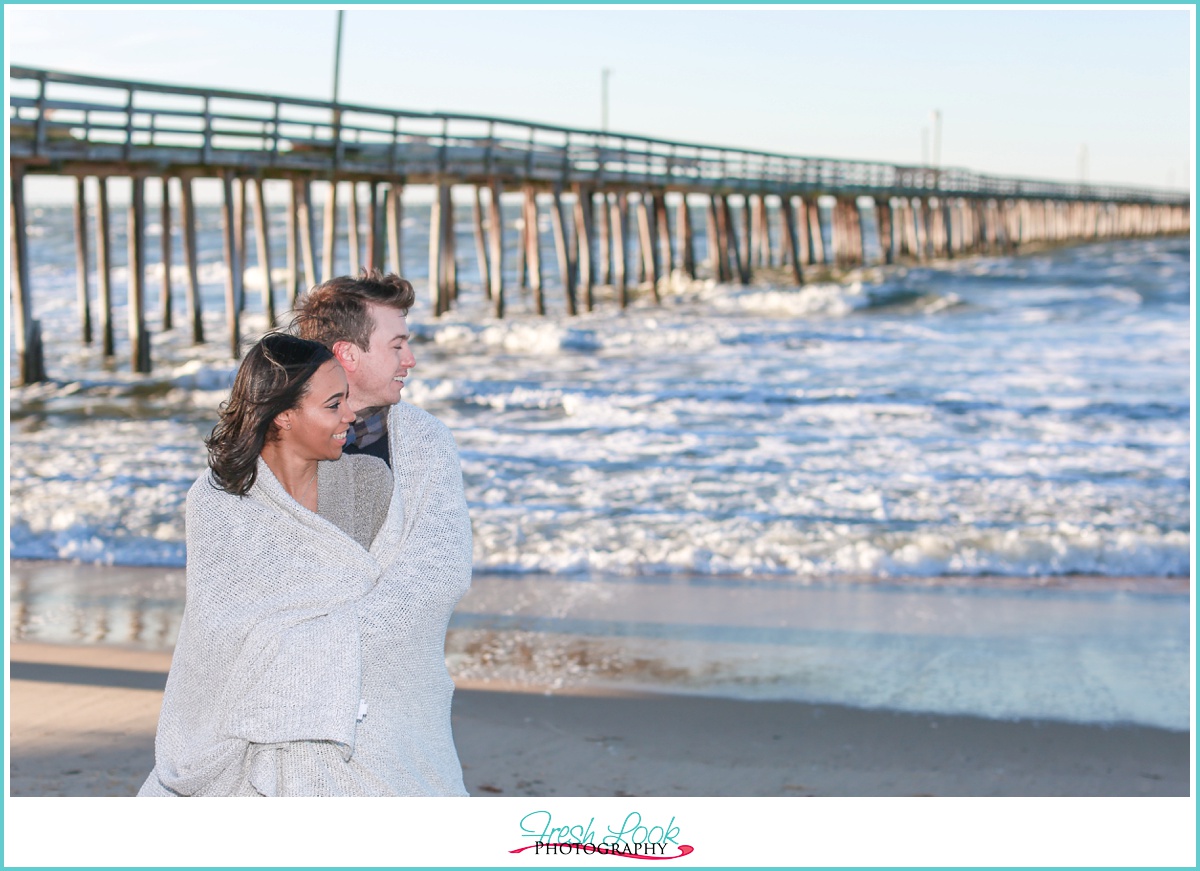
pixel 83 721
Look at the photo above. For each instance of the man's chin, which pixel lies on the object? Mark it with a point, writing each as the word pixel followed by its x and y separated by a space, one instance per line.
pixel 387 396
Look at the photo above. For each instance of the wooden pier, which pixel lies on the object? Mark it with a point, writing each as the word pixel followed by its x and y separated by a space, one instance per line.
pixel 607 196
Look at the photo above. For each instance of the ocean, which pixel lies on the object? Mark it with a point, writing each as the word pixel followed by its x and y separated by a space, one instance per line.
pixel 1004 415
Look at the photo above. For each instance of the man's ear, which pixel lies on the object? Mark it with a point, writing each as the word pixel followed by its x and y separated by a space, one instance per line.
pixel 347 355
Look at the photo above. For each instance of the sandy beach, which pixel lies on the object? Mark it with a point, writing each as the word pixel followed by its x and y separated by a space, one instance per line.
pixel 83 721
pixel 619 687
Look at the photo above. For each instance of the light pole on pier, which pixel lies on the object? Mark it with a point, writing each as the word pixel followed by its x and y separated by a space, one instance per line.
pixel 937 137
pixel 604 74
pixel 337 56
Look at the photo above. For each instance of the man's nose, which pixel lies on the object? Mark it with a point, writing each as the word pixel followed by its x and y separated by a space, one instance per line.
pixel 408 360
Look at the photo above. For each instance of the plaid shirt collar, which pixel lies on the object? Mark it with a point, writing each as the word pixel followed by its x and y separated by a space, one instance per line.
pixel 369 427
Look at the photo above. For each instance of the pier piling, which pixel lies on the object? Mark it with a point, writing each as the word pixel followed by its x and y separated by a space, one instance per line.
pixel 329 241
pixel 232 267
pixel 618 213
pixel 165 304
pixel 662 221
pixel 241 210
pixel 583 243
pixel 746 239
pixel 816 233
pixel 791 241
pixel 566 269
pixel 263 240
pixel 685 238
pixel 190 258
pixel 395 229
pixel 739 264
pixel 604 230
pixel 480 245
pixel 139 339
pixel 352 217
pixel 81 262
pixel 307 229
pixel 374 231
pixel 291 248
pixel 496 248
pixel 533 250
pixel 27 331
pixel 647 258
pixel 104 268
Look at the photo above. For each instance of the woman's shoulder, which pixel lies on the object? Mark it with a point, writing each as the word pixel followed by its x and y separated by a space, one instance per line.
pixel 206 490
pixel 210 507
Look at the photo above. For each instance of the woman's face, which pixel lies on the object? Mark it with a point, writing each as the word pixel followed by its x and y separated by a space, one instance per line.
pixel 319 423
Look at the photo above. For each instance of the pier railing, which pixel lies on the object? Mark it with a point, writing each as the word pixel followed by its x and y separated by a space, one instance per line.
pixel 59 118
pixel 606 195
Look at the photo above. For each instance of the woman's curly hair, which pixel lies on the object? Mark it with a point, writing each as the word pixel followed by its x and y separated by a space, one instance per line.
pixel 273 378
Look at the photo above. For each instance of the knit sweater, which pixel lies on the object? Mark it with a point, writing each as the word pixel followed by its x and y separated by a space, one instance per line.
pixel 308 664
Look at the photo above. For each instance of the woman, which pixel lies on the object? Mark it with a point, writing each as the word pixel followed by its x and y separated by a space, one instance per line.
pixel 286 678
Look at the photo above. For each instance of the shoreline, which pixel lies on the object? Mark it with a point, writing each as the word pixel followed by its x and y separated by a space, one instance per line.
pixel 83 723
pixel 1098 650
pixel 1077 581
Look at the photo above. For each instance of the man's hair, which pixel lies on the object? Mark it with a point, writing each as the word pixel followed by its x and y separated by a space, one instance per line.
pixel 340 309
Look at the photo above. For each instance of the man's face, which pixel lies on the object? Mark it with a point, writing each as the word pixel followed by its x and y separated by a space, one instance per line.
pixel 384 363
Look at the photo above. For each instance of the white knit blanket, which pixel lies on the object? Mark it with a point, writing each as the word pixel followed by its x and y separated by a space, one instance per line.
pixel 305 663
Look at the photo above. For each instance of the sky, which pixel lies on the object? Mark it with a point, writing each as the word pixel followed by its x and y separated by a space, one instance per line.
pixel 1020 91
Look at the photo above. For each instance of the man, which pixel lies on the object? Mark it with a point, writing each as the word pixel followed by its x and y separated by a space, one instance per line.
pixel 403 736
pixel 364 322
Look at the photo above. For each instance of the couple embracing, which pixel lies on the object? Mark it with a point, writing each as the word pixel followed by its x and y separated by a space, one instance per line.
pixel 327 545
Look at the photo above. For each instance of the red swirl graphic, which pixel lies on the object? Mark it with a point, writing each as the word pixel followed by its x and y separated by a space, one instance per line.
pixel 684 850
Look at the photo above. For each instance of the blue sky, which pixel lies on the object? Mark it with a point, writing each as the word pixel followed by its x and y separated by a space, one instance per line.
pixel 1020 91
